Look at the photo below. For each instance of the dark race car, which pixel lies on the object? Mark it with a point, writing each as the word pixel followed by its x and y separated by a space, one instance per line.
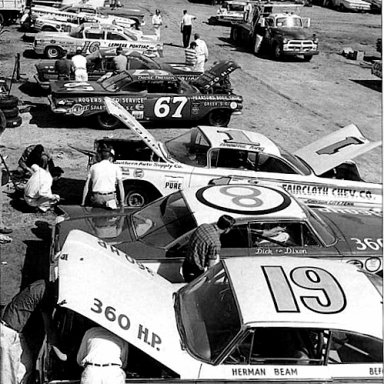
pixel 101 62
pixel 151 95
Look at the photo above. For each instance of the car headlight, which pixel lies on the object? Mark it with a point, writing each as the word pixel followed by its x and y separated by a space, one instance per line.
pixel 373 264
pixel 285 40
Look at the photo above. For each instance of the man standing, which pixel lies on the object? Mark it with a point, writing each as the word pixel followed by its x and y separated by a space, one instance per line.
pixel 191 55
pixel 37 191
pixel 186 27
pixel 80 66
pixel 64 67
pixel 120 61
pixel 157 22
pixel 103 177
pixel 16 363
pixel 103 356
pixel 201 52
pixel 204 247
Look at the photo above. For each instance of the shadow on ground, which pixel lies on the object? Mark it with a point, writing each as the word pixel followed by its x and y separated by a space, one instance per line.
pixel 69 190
pixel 375 85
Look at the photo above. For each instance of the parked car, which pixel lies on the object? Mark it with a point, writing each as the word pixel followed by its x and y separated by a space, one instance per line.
pixel 264 319
pixel 230 11
pixel 157 235
pixel 93 36
pixel 321 172
pixel 101 62
pixel 150 95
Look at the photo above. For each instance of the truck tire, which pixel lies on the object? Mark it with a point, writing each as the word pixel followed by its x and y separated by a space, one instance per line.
pixel 136 197
pixel 308 57
pixel 14 122
pixel 2 20
pixel 277 52
pixel 53 52
pixel 107 122
pixel 219 117
pixel 3 122
pixel 10 113
pixel 8 102
pixel 234 34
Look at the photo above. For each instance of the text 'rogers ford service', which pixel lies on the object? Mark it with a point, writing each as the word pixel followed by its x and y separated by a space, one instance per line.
pixel 319 173
pixel 263 320
pixel 150 95
pixel 90 37
pixel 268 222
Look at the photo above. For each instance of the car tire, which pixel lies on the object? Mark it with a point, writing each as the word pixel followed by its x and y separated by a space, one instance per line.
pixel 11 112
pixel 277 53
pixel 8 102
pixel 136 197
pixel 308 57
pixel 107 122
pixel 219 117
pixel 3 122
pixel 53 52
pixel 235 35
pixel 14 122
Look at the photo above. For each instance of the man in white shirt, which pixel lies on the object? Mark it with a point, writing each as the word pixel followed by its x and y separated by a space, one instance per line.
pixel 157 22
pixel 103 356
pixel 201 52
pixel 103 177
pixel 80 66
pixel 37 191
pixel 186 27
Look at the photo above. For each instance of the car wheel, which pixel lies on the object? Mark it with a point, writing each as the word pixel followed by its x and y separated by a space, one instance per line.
pixel 235 35
pixel 14 122
pixel 308 57
pixel 53 52
pixel 219 117
pixel 107 121
pixel 8 102
pixel 12 112
pixel 277 53
pixel 3 122
pixel 136 197
pixel 342 8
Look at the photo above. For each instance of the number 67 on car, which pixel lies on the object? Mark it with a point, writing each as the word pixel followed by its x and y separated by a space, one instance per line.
pixel 255 320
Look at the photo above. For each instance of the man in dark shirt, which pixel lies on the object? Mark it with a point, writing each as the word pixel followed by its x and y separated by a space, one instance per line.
pixel 16 364
pixel 120 61
pixel 64 68
pixel 204 247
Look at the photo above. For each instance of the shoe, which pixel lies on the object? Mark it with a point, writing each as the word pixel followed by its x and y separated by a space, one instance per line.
pixel 5 239
pixel 6 230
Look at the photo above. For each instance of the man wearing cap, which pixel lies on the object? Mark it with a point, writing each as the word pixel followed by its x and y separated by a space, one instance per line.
pixel 103 177
pixel 120 61
pixel 64 67
pixel 80 66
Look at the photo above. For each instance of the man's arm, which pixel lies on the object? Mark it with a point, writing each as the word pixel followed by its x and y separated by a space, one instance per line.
pixel 52 337
pixel 121 192
pixel 85 190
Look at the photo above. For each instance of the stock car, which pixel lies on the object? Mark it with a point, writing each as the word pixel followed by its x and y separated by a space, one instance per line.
pixel 318 173
pixel 150 95
pixel 158 233
pixel 101 62
pixel 229 12
pixel 93 36
pixel 254 320
pixel 86 9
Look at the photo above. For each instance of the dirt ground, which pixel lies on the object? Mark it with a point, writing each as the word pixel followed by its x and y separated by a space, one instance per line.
pixel 292 101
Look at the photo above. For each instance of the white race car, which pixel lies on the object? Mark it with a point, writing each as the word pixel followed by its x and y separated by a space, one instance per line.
pixel 254 320
pixel 319 173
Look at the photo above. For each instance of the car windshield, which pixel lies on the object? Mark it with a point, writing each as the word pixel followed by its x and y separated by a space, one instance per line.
pixel 190 148
pixel 295 161
pixel 207 314
pixel 115 83
pixel 235 7
pixel 288 22
pixel 163 221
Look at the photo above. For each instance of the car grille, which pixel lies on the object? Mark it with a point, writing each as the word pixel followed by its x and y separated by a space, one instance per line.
pixel 300 45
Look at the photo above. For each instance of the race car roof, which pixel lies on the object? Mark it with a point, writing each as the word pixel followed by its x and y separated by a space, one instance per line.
pixel 305 292
pixel 239 139
pixel 209 203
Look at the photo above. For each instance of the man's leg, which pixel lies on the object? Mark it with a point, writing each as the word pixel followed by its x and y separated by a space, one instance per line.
pixel 188 35
pixel 10 352
pixel 26 362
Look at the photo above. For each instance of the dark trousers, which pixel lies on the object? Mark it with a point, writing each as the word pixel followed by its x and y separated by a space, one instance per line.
pixel 190 271
pixel 187 30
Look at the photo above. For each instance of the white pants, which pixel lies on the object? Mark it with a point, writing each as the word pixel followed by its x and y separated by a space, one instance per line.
pixel 199 66
pixel 102 375
pixel 81 74
pixel 16 364
pixel 43 203
pixel 157 32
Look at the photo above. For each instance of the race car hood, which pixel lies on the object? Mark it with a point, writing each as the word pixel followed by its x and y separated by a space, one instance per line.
pixel 215 74
pixel 335 149
pixel 293 33
pixel 123 296
pixel 69 88
pixel 115 109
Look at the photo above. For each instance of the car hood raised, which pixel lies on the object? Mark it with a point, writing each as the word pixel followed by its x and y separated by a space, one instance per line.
pixel 335 149
pixel 111 288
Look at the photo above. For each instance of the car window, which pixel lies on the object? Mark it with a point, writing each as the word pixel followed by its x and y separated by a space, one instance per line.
pixel 279 346
pixel 268 163
pixel 115 36
pixel 237 237
pixel 94 35
pixel 351 348
pixel 134 86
